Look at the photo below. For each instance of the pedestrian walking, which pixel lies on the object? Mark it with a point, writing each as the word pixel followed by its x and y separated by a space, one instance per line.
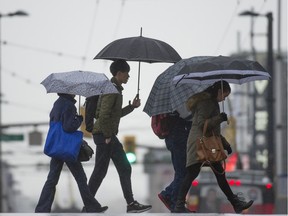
pixel 108 114
pixel 176 142
pixel 203 106
pixel 64 110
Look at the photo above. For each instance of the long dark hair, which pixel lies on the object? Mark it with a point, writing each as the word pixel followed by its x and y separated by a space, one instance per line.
pixel 213 90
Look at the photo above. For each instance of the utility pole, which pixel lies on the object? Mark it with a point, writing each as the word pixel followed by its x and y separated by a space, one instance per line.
pixel 270 98
pixel 17 13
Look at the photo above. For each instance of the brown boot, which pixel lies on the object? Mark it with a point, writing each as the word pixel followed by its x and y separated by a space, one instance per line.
pixel 239 203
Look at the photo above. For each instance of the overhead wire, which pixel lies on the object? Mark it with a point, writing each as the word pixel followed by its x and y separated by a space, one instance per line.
pixel 19 77
pixel 91 33
pixel 24 106
pixel 119 19
pixel 26 81
pixel 234 14
pixel 37 49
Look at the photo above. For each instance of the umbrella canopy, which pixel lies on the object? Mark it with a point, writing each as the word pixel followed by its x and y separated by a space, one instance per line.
pixel 139 48
pixel 83 83
pixel 231 69
pixel 164 96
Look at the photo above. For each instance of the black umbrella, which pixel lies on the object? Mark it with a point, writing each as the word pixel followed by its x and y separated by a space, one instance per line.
pixel 232 69
pixel 141 49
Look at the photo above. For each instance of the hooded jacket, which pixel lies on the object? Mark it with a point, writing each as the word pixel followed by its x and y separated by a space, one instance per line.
pixel 203 107
pixel 64 110
pixel 110 111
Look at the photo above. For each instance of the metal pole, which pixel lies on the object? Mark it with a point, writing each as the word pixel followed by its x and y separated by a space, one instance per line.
pixel 252 92
pixel 270 98
pixel 17 13
pixel 1 182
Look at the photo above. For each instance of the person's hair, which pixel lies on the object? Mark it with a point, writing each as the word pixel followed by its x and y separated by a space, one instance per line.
pixel 213 90
pixel 119 65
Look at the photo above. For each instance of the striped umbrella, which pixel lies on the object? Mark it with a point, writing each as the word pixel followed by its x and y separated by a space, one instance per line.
pixel 232 69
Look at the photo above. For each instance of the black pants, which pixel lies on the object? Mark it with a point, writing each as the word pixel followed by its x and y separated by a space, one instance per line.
pixel 192 173
pixel 104 152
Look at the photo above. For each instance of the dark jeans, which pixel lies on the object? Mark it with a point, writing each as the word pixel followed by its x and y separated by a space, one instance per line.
pixel 49 189
pixel 104 152
pixel 176 143
pixel 192 173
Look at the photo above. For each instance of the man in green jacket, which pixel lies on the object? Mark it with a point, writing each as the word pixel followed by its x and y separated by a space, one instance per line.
pixel 108 114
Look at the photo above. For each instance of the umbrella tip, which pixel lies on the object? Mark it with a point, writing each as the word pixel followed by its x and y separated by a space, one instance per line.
pixel 141 32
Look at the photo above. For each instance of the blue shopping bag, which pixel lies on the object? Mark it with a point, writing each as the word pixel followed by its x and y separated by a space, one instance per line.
pixel 61 144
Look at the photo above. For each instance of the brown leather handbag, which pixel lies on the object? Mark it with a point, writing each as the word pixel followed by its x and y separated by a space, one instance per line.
pixel 210 149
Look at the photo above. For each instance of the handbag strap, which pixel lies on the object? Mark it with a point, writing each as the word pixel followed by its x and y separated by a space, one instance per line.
pixel 205 127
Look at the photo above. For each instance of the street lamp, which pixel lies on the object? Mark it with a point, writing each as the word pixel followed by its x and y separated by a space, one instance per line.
pixel 16 13
pixel 270 101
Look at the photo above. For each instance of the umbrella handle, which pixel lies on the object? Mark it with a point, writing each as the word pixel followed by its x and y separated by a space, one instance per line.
pixel 138 87
pixel 79 104
pixel 223 100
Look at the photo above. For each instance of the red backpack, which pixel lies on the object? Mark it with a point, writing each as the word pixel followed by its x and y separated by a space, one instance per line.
pixel 161 125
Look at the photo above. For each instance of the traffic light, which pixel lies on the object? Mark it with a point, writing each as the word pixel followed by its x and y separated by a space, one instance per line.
pixel 129 148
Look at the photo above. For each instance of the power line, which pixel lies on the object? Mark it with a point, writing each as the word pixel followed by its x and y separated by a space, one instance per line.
pixel 91 32
pixel 19 77
pixel 37 49
pixel 119 18
pixel 25 106
pixel 228 27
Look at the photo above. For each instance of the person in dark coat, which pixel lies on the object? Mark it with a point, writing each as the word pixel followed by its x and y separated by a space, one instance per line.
pixel 176 143
pixel 205 106
pixel 108 115
pixel 64 110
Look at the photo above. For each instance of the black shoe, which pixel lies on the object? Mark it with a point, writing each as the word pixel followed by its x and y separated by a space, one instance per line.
pixel 239 203
pixel 180 208
pixel 102 209
pixel 136 207
pixel 98 210
pixel 166 200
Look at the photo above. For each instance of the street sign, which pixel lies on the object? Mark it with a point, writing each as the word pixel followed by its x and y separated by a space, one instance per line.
pixel 11 137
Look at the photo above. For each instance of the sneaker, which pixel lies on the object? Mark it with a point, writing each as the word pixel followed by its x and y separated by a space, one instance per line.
pixel 166 200
pixel 98 210
pixel 136 207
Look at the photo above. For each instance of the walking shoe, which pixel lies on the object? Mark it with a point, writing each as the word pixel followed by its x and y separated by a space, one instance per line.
pixel 181 208
pixel 102 209
pixel 166 200
pixel 136 207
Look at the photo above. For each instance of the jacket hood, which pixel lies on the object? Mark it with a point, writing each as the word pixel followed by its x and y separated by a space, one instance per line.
pixel 196 98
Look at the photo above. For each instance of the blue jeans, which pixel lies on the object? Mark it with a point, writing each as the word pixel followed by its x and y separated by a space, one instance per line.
pixel 104 152
pixel 176 143
pixel 49 189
